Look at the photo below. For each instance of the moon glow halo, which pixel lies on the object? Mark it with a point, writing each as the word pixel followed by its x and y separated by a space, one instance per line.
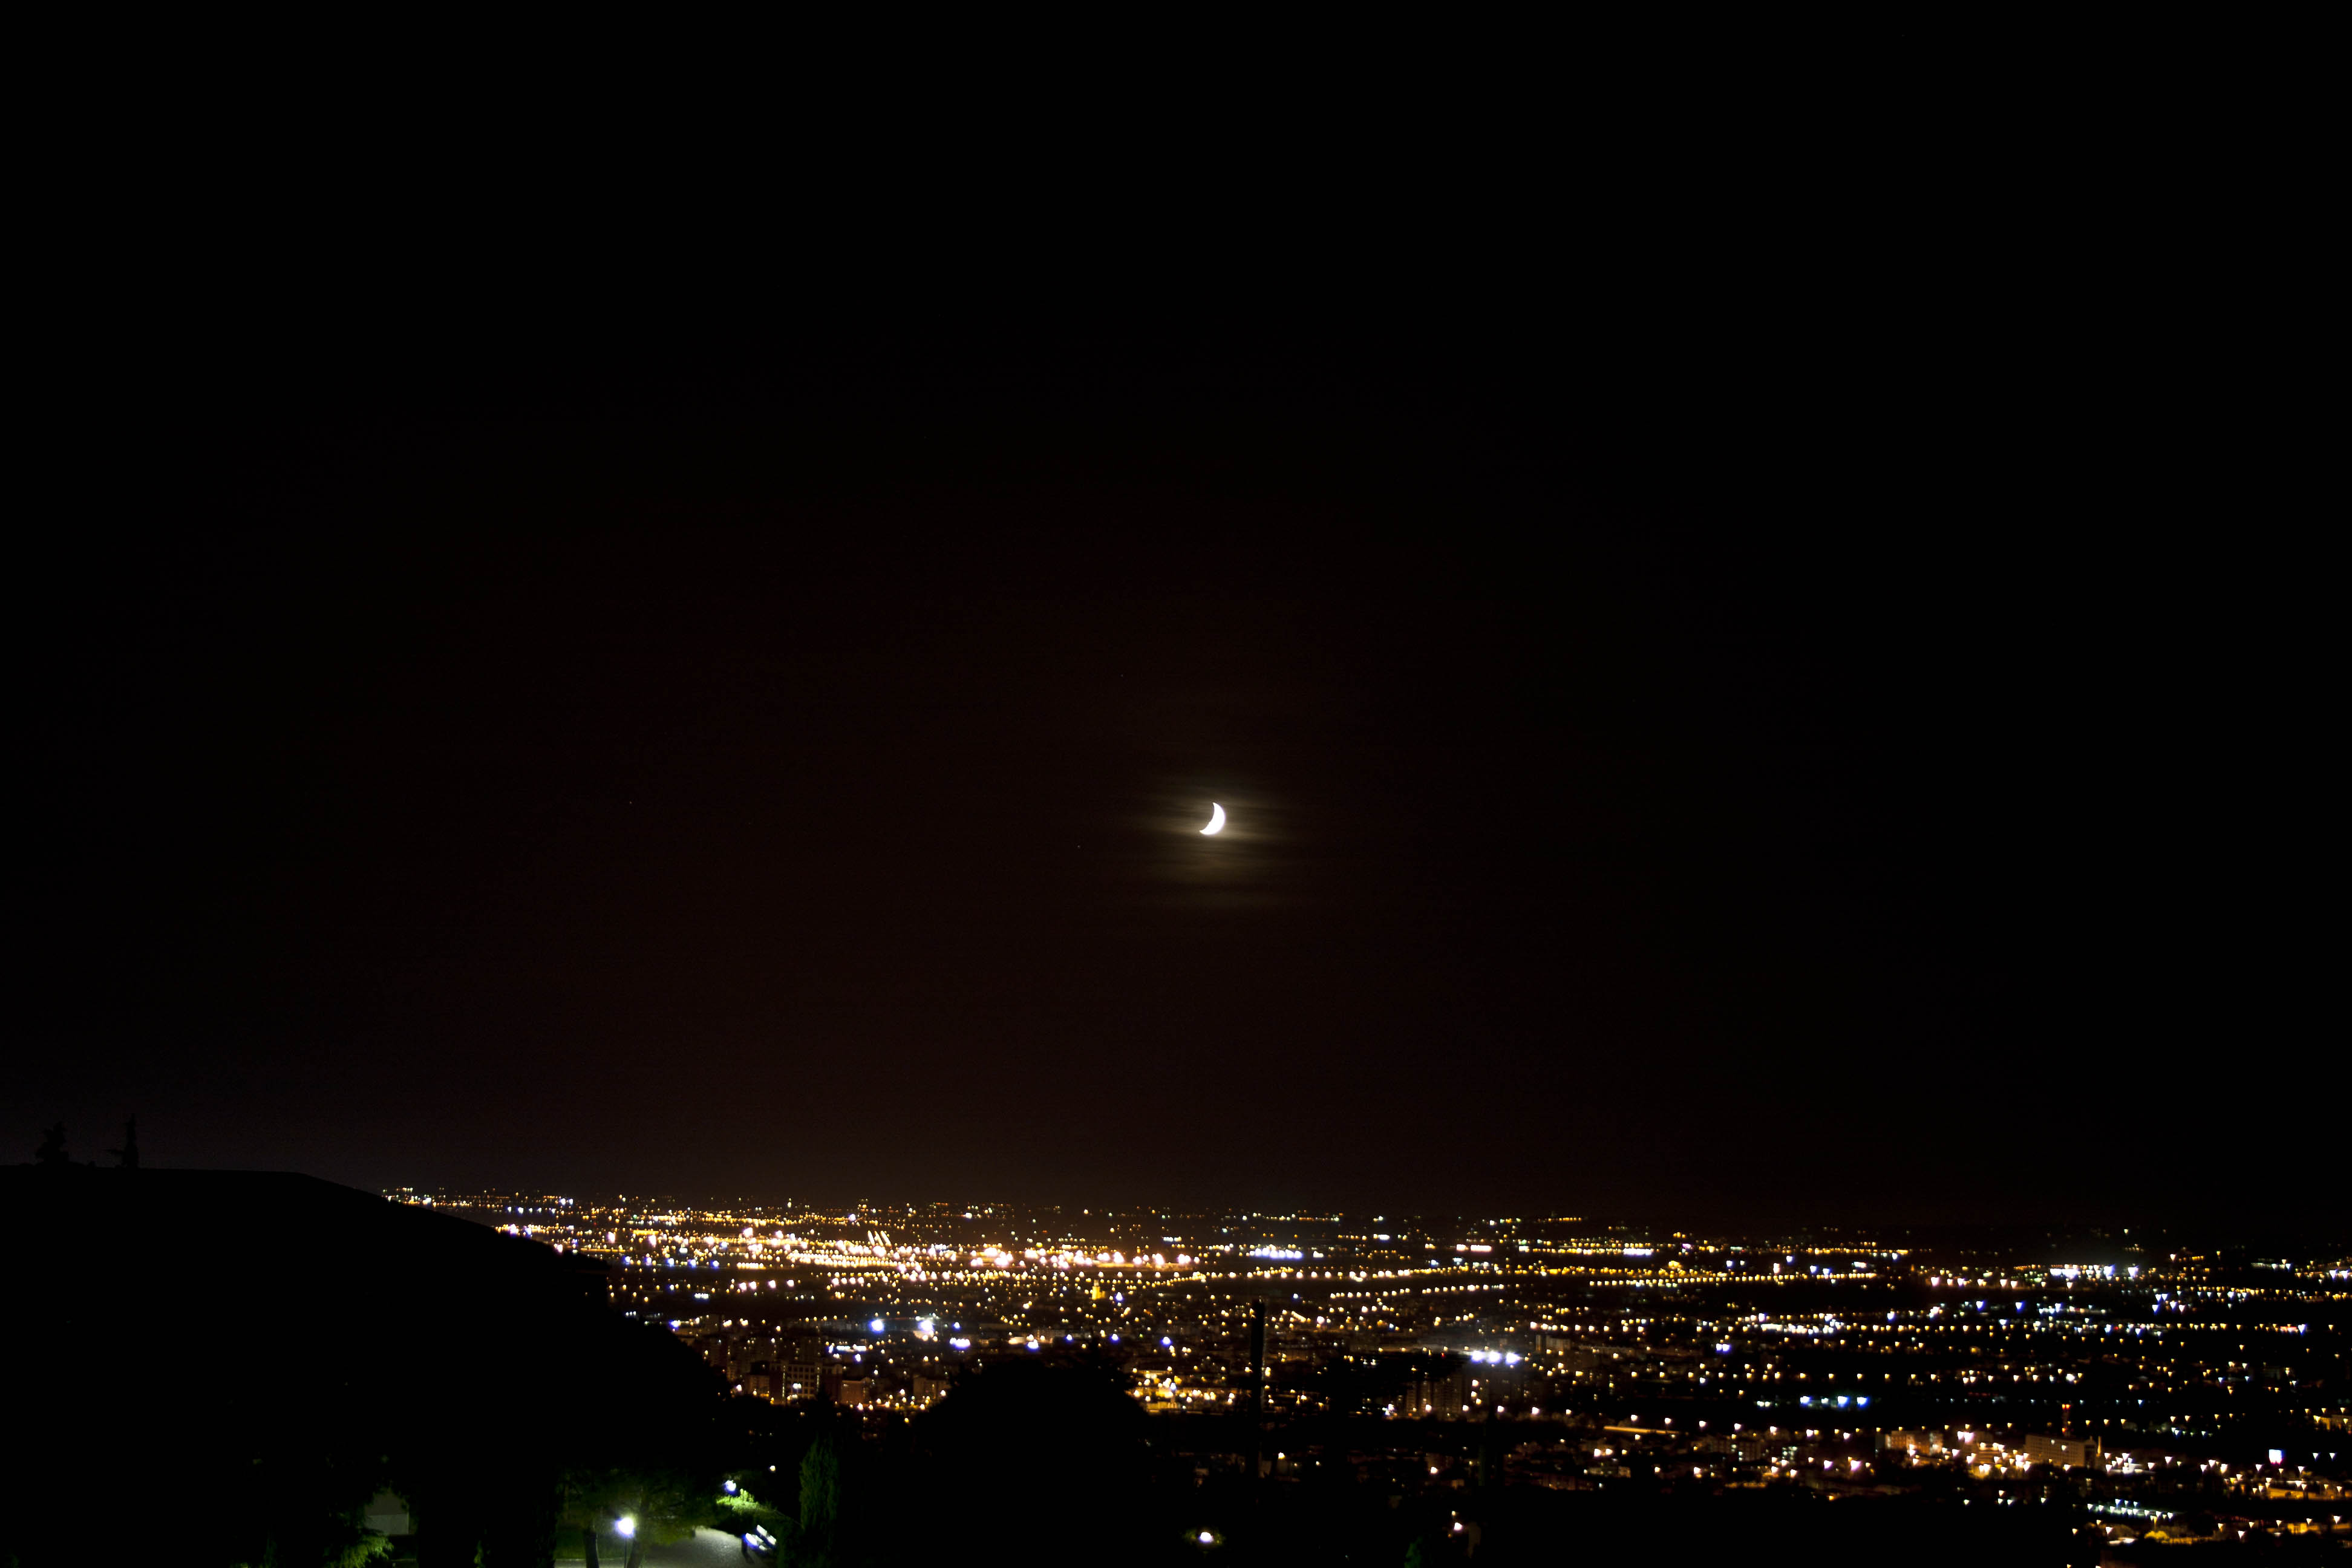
pixel 1216 819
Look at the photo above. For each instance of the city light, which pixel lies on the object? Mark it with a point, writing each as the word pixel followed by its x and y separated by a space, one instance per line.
pixel 1586 1332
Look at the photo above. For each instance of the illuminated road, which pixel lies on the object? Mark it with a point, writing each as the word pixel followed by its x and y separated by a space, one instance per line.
pixel 709 1549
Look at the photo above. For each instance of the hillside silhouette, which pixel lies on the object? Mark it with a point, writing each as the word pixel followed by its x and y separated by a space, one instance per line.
pixel 223 1366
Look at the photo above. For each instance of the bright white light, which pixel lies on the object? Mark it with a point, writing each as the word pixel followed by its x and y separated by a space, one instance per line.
pixel 625 1526
pixel 1216 819
pixel 731 1489
pixel 877 1325
pixel 1205 1538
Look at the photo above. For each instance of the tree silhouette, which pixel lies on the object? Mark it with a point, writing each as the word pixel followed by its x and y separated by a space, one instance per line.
pixel 127 1155
pixel 591 1502
pixel 662 1504
pixel 1067 1441
pixel 52 1151
pixel 815 1537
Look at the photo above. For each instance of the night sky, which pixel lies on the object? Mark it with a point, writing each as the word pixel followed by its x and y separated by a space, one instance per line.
pixel 1799 794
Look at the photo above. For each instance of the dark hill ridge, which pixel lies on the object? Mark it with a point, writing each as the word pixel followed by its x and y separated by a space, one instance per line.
pixel 193 1217
pixel 248 1355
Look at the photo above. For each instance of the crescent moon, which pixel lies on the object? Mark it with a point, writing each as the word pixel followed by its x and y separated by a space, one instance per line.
pixel 1216 819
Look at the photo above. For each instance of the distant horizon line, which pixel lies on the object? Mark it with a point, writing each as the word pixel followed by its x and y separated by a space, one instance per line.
pixel 2205 1229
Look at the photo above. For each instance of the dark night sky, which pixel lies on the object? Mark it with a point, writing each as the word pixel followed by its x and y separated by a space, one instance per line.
pixel 1718 789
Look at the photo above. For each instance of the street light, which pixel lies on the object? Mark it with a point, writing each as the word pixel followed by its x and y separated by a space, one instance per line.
pixel 625 1526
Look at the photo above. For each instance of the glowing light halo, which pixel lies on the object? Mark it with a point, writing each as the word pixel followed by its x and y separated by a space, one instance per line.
pixel 1216 820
